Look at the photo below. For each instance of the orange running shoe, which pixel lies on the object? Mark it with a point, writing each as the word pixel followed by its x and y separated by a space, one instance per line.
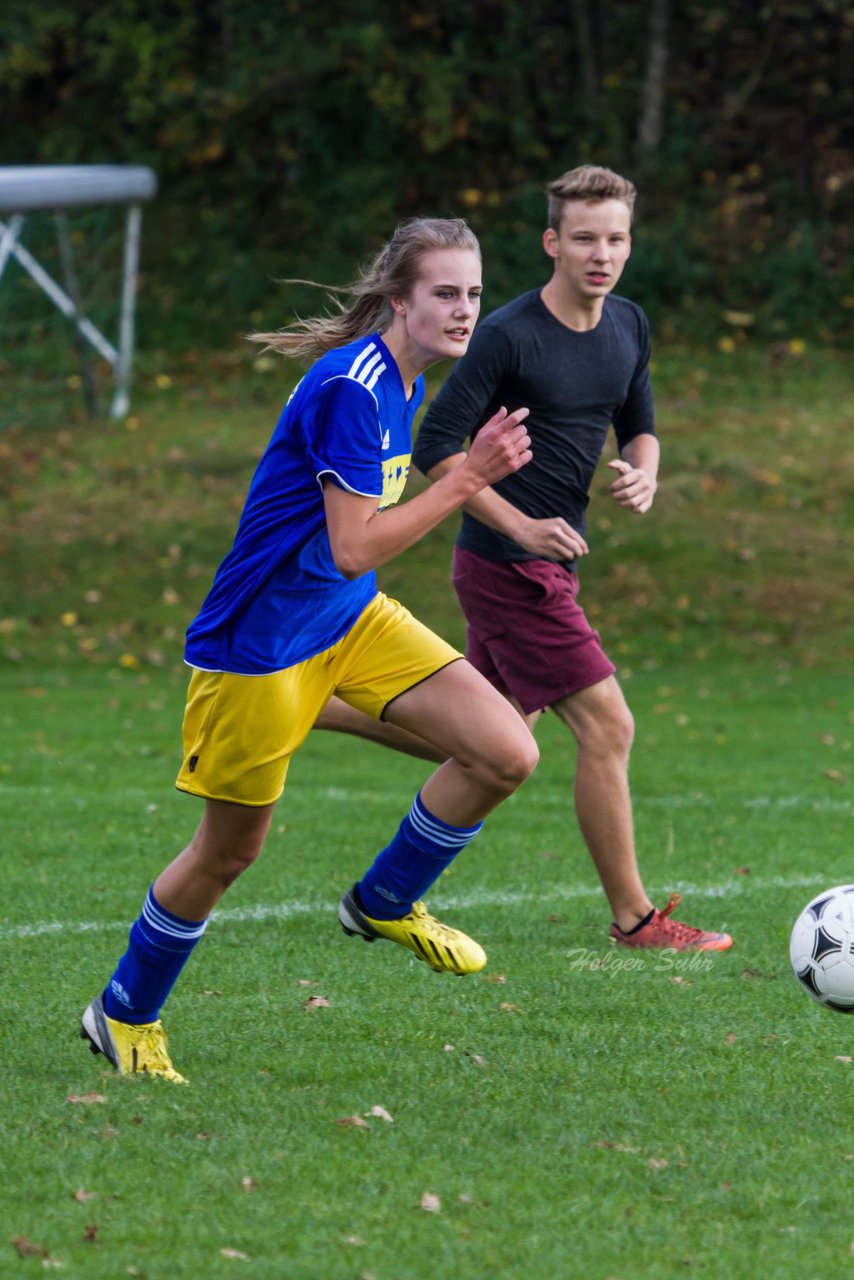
pixel 662 932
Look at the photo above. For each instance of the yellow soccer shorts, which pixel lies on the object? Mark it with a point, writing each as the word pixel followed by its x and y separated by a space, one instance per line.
pixel 241 731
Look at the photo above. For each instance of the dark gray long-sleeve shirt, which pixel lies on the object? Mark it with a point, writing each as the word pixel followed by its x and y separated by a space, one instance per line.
pixel 576 384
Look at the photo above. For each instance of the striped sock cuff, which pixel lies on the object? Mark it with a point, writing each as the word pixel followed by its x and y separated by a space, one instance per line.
pixel 432 835
pixel 166 931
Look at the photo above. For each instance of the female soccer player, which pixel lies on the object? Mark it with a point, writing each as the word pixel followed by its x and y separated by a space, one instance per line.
pixel 294 616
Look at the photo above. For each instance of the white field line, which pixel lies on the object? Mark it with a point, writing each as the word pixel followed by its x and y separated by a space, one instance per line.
pixel 554 797
pixel 690 800
pixel 263 912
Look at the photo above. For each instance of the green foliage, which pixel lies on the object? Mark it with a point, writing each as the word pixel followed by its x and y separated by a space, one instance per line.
pixel 290 138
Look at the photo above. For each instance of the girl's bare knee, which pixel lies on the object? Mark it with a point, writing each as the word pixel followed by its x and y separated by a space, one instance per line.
pixel 234 868
pixel 506 770
pixel 525 761
pixel 226 857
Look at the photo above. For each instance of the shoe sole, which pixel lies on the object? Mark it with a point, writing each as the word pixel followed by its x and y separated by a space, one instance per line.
pixel 93 1028
pixel 714 946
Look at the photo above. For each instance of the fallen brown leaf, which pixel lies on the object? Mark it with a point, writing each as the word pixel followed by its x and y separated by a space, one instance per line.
pixel 86 1098
pixel 82 1196
pixel 28 1248
pixel 316 1002
pixel 657 1164
pixel 840 1057
pixel 353 1122
pixel 92 1234
pixel 509 1008
pixel 234 1253
pixel 430 1202
pixel 249 1184
pixel 493 977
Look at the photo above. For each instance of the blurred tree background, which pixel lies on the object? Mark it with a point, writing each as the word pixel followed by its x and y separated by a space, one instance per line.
pixel 289 138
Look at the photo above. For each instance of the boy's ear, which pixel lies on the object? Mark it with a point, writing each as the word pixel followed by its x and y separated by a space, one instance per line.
pixel 550 242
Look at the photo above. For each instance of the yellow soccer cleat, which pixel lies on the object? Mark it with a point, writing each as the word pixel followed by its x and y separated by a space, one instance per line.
pixel 446 950
pixel 132 1049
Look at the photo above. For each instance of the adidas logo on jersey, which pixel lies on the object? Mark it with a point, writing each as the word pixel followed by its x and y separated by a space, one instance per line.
pixel 386 442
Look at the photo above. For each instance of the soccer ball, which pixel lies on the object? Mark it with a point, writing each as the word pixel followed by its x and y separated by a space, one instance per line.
pixel 822 948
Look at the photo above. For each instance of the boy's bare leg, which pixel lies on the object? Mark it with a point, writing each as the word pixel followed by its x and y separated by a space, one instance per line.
pixel 604 728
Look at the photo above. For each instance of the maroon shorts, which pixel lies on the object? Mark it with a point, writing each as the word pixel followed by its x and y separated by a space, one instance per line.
pixel 524 630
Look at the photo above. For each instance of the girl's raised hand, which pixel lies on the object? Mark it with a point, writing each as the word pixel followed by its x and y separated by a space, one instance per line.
pixel 501 447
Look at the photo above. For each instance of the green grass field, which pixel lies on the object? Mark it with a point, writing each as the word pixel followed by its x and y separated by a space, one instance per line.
pixel 575 1113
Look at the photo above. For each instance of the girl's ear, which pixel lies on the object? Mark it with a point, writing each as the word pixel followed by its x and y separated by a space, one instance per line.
pixel 397 305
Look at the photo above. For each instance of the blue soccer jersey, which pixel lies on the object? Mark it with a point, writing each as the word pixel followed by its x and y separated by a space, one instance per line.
pixel 277 598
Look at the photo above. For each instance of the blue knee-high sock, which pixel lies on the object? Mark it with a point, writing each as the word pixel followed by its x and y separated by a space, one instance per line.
pixel 159 947
pixel 403 872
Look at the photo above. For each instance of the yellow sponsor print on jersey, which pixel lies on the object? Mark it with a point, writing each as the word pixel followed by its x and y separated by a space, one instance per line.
pixel 395 471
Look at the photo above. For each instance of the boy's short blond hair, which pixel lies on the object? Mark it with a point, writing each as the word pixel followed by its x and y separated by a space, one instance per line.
pixel 587 182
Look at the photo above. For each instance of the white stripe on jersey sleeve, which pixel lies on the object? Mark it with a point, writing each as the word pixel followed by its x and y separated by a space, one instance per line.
pixel 367 366
pixel 373 382
pixel 367 369
pixel 330 471
pixel 353 371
